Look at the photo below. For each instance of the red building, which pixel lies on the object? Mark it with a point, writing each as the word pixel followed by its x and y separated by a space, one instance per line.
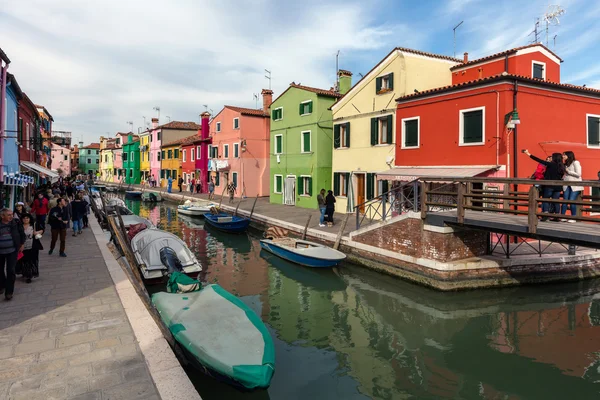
pixel 190 152
pixel 29 122
pixel 468 125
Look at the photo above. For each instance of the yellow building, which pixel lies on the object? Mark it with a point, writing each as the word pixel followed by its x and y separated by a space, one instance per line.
pixel 107 146
pixel 365 120
pixel 145 155
pixel 170 163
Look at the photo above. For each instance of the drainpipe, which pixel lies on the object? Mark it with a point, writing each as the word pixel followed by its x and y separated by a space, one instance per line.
pixel 515 142
pixel 2 116
pixel 204 135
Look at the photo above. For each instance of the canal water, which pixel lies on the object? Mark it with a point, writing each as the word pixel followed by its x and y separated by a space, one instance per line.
pixel 349 333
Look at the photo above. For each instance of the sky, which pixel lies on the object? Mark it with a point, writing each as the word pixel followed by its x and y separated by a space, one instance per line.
pixel 97 64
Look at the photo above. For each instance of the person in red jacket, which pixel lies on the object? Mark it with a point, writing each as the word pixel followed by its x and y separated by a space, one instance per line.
pixel 39 208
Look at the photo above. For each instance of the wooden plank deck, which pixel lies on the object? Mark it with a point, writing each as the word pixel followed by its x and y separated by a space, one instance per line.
pixel 580 233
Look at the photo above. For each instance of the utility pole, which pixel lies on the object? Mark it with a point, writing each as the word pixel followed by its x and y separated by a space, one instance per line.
pixel 454 36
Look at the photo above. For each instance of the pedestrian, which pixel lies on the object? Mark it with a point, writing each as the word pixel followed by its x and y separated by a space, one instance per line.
pixel 198 186
pixel 555 171
pixel 78 209
pixel 59 222
pixel 12 239
pixel 152 181
pixel 69 190
pixel 572 174
pixel 322 207
pixel 88 203
pixel 180 183
pixel 192 185
pixel 211 189
pixel 29 263
pixel 40 209
pixel 330 207
pixel 169 184
pixel 231 189
pixel 19 210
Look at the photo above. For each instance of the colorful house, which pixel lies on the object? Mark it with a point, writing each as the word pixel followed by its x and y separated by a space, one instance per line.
pixel 495 107
pixel 61 160
pixel 171 162
pixel 131 160
pixel 301 145
pixel 144 149
pixel 190 150
pixel 240 148
pixel 44 156
pixel 106 159
pixel 118 172
pixel 364 120
pixel 29 125
pixel 10 149
pixel 89 158
pixel 4 63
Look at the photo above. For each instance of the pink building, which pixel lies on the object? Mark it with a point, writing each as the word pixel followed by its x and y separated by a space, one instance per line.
pixel 118 165
pixel 240 148
pixel 61 159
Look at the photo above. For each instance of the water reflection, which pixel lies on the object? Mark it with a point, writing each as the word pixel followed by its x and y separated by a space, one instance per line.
pixel 348 333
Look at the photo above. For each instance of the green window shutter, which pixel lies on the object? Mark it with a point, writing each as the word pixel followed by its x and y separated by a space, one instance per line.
pixel 473 126
pixel 274 115
pixel 299 185
pixel 336 136
pixel 374 133
pixel 176 153
pixel 370 185
pixel 278 144
pixel 347 134
pixel 593 131
pixel 301 109
pixel 347 181
pixel 390 121
pixel 310 186
pixel 391 80
pixel 377 85
pixel 310 107
pixel 384 187
pixel 411 133
pixel 336 183
pixel 305 142
pixel 218 179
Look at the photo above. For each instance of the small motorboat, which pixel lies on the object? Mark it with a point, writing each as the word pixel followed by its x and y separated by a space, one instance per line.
pixel 133 194
pixel 196 209
pixel 227 223
pixel 303 252
pixel 130 220
pixel 147 246
pixel 97 188
pixel 221 334
pixel 151 197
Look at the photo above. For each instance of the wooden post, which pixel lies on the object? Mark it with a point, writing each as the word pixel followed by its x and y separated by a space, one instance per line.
pixel 338 239
pixel 532 210
pixel 238 206
pixel 506 193
pixel 424 191
pixel 122 226
pixel 460 204
pixel 578 208
pixel 306 227
pixel 357 217
pixel 469 200
pixel 222 194
pixel 253 205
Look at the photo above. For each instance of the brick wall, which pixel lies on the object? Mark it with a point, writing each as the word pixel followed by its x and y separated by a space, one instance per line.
pixel 408 237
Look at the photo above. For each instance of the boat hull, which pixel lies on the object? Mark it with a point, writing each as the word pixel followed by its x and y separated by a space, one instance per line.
pixel 193 213
pixel 133 195
pixel 296 258
pixel 237 224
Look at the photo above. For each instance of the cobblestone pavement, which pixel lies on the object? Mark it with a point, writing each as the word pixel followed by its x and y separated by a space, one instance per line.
pixel 66 335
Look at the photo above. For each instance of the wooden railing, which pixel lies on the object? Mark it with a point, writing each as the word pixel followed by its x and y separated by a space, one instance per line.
pixel 507 196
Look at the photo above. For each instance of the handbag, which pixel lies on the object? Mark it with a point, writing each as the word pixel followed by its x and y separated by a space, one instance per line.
pixel 37 245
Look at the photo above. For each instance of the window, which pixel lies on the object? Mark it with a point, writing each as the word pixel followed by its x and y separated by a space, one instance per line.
pixel 538 70
pixel 370 186
pixel 225 151
pixel 169 154
pixel 89 160
pixel 234 177
pixel 150 137
pixel 277 114
pixel 214 150
pixel 219 126
pixel 306 148
pixel 340 183
pixel 118 141
pixel 66 158
pixel 162 174
pixel 217 178
pixel 158 155
pixel 410 133
pixel 304 186
pixel 162 154
pixel 278 184
pixel 341 135
pixel 89 152
pixel 593 130
pixel 27 133
pixel 132 158
pixel 176 154
pixel 385 83
pixel 174 174
pixel 124 156
pixel 472 129
pixel 381 130
pixel 158 136
pixel 236 123
pixel 97 161
pixel 131 173
pixel 236 150
pixel 106 158
pixel 278 144
pixel 184 154
pixel 198 154
pixel 192 154
pixel 306 107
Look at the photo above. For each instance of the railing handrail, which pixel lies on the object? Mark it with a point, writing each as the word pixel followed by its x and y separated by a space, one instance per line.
pixel 518 181
pixel 380 197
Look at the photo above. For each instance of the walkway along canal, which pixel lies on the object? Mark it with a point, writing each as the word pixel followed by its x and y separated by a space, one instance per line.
pixel 350 333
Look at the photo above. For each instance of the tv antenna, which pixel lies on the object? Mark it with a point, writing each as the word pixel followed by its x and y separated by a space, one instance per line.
pixel 337 69
pixel 268 76
pixel 157 109
pixel 535 32
pixel 168 118
pixel 144 120
pixel 454 36
pixel 255 95
pixel 205 107
pixel 554 39
pixel 552 17
pixel 130 123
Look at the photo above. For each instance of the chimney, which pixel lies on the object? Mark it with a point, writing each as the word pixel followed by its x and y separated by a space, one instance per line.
pixel 480 70
pixel 345 81
pixel 204 129
pixel 154 123
pixel 466 58
pixel 267 95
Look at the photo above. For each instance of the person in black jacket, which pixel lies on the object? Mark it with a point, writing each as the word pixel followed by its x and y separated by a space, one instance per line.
pixel 12 239
pixel 59 222
pixel 329 207
pixel 555 170
pixel 78 210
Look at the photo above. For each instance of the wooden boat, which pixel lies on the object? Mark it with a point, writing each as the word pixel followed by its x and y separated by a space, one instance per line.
pixel 221 334
pixel 147 246
pixel 194 209
pixel 129 220
pixel 303 252
pixel 227 223
pixel 133 194
pixel 151 197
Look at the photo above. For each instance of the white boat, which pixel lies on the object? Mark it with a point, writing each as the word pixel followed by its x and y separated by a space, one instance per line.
pixel 303 252
pixel 197 209
pixel 133 219
pixel 147 247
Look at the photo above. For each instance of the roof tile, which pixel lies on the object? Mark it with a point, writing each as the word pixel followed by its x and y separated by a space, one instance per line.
pixel 321 92
pixel 248 111
pixel 502 54
pixel 189 125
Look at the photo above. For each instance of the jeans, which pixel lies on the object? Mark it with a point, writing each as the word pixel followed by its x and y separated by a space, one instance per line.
pixel 56 233
pixel 85 221
pixel 322 220
pixel 78 225
pixel 169 187
pixel 569 194
pixel 7 282
pixel 41 221
pixel 549 192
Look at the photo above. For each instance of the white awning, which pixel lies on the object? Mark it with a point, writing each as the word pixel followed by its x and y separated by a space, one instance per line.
pixel 53 176
pixel 409 174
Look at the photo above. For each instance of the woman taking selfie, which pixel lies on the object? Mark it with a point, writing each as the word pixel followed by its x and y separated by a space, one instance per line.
pixel 572 175
pixel 555 170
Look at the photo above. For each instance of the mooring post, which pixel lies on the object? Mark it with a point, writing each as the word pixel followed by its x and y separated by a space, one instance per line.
pixel 253 205
pixel 358 216
pixel 460 204
pixel 338 239
pixel 306 227
pixel 532 219
pixel 383 205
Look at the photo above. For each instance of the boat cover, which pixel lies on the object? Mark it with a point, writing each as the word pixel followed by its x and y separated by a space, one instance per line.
pixel 147 244
pixel 222 332
pixel 181 283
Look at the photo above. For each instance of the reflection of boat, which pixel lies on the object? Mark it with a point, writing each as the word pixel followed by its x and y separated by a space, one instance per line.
pixel 221 333
pixel 133 194
pixel 151 197
pixel 303 252
pixel 147 246
pixel 190 222
pixel 194 209
pixel 227 223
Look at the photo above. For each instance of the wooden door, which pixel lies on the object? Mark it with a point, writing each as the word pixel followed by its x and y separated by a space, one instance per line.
pixel 360 191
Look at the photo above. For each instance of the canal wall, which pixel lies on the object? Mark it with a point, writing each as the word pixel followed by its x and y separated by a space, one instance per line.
pixel 442 258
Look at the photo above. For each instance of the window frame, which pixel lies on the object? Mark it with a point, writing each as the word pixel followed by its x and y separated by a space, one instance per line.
pixel 236 150
pixel 461 126
pixel 275 176
pixel 343 185
pixel 403 146
pixel 218 126
pixel 543 64
pixel 281 117
pixel 236 120
pixel 302 103
pixel 381 132
pixel 343 130
pixel 132 156
pixel 226 150
pixel 275 144
pixel 192 154
pixel 587 131
pixel 198 153
pixel 302 143
pixel 305 179
pixel 235 178
pixel 184 155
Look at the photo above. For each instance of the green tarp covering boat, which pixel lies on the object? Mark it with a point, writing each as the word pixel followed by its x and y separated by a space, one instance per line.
pixel 222 333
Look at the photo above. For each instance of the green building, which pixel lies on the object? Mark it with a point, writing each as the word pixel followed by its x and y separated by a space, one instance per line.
pixel 89 158
pixel 131 160
pixel 301 145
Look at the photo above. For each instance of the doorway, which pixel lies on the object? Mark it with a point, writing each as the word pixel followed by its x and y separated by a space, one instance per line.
pixel 360 191
pixel 289 191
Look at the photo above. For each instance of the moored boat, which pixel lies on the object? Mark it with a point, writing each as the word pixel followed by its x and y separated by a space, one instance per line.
pixel 151 197
pixel 227 223
pixel 133 194
pixel 303 252
pixel 196 209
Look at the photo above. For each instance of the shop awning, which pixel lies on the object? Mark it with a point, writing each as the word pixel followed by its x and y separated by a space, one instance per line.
pixel 409 174
pixel 17 179
pixel 53 176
